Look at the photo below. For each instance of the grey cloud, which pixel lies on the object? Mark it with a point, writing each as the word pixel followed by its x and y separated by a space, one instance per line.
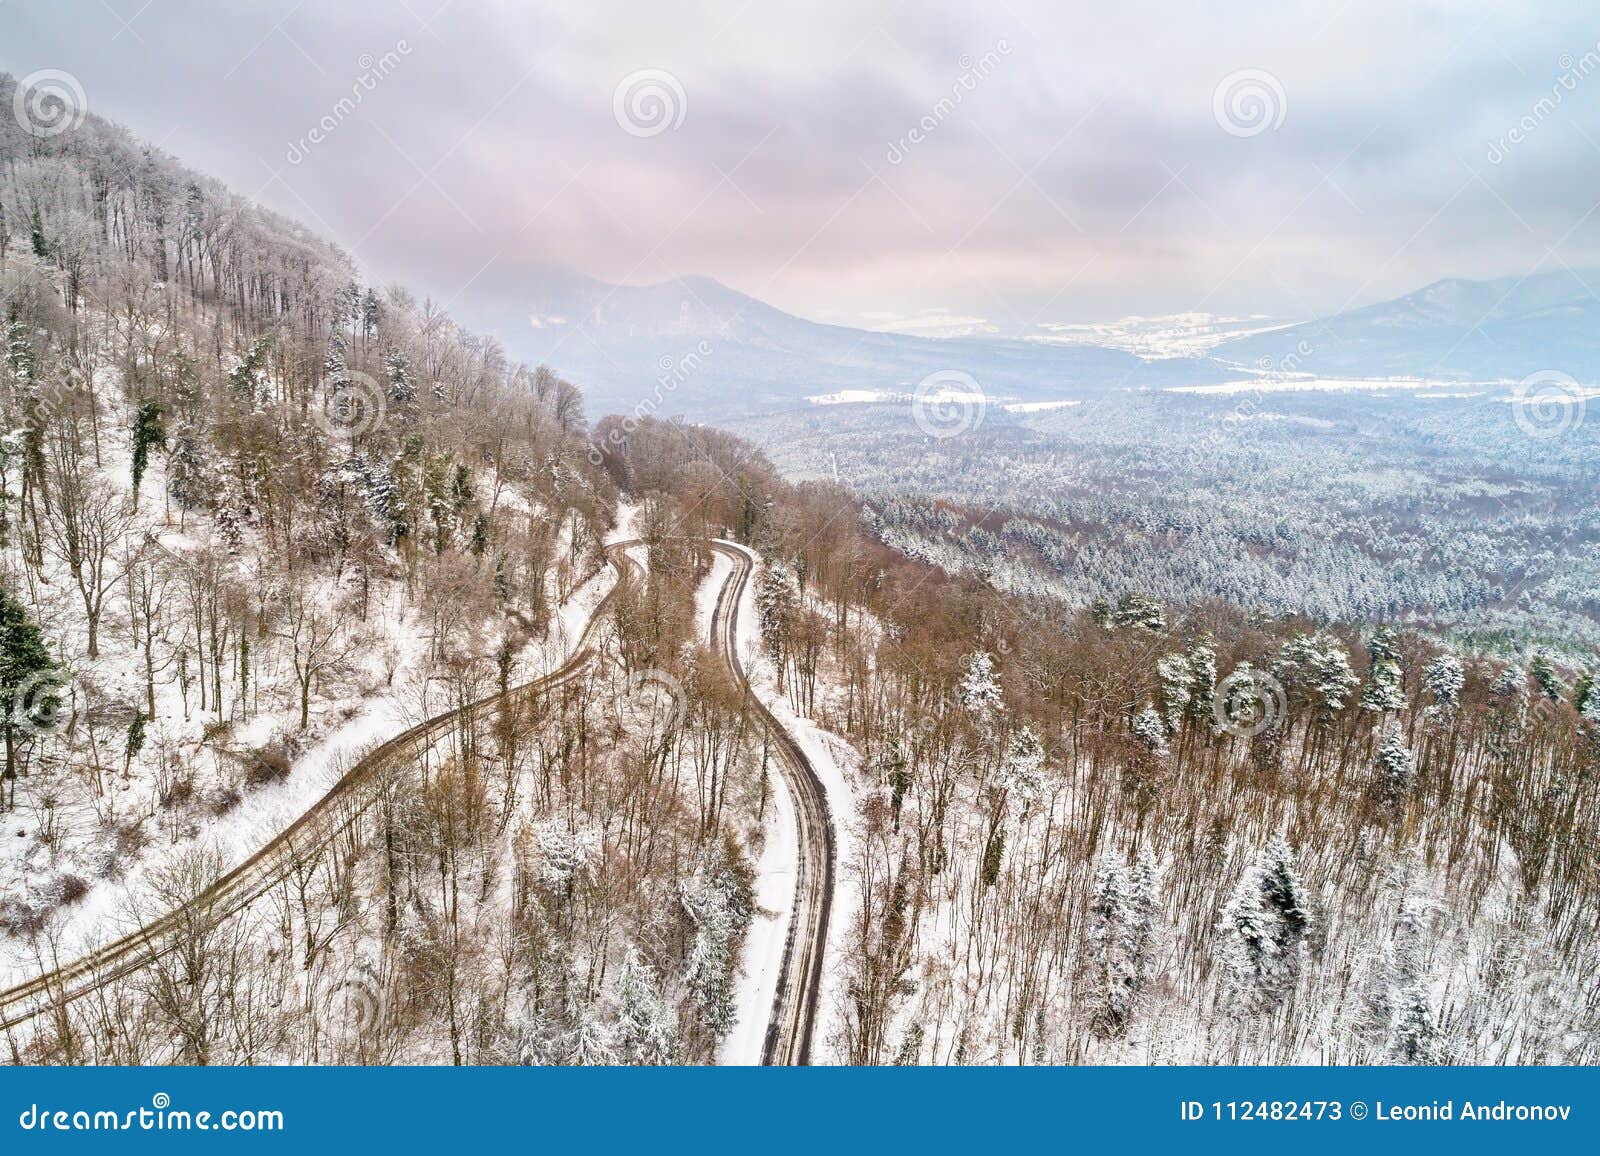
pixel 779 179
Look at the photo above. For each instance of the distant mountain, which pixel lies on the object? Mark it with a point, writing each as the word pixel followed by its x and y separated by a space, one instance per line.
pixel 696 347
pixel 1503 329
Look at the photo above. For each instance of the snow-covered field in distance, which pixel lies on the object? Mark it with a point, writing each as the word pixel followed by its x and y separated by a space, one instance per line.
pixel 1172 335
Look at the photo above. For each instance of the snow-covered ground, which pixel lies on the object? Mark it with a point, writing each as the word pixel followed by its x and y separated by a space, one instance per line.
pixel 343 732
pixel 627 522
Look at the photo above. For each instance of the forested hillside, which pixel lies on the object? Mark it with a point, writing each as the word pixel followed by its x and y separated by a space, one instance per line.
pixel 1132 833
pixel 255 517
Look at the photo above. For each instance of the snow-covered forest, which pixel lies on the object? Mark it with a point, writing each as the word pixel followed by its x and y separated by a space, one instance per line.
pixel 257 518
pixel 1139 832
pixel 350 657
pixel 1420 505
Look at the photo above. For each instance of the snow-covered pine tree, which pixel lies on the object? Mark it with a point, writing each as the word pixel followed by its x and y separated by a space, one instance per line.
pixel 1443 678
pixel 980 692
pixel 245 378
pixel 1264 926
pixel 24 366
pixel 1174 676
pixel 1121 938
pixel 1545 676
pixel 1280 884
pixel 588 1040
pixel 335 370
pixel 1023 767
pixel 1393 766
pixel 1317 666
pixel 1139 610
pixel 1415 1039
pixel 188 479
pixel 718 903
pixel 402 390
pixel 1586 696
pixel 645 1033
pixel 1149 728
pixel 1384 691
pixel 777 603
pixel 1203 681
pixel 909 1053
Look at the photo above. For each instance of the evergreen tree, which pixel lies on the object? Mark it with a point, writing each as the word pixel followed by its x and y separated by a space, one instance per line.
pixel 645 1032
pixel 1443 679
pixel 1384 691
pixel 402 390
pixel 1317 666
pixel 188 479
pixel 1544 675
pixel 718 904
pixel 148 433
pixel 1393 766
pixel 1264 926
pixel 1174 679
pixel 1586 697
pixel 29 682
pixel 1121 938
pixel 909 1053
pixel 36 235
pixel 335 370
pixel 24 366
pixel 980 692
pixel 1416 1035
pixel 1023 767
pixel 1139 610
pixel 777 603
pixel 135 742
pixel 245 378
pixel 994 852
pixel 1149 729
pixel 1203 680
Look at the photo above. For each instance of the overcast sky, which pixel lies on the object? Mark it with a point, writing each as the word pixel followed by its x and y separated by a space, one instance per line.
pixel 1076 162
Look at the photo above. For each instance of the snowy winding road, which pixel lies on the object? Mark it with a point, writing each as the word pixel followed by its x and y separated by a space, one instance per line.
pixel 798 990
pixel 799 987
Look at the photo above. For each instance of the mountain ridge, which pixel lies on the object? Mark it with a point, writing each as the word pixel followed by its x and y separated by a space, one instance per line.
pixel 1456 328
